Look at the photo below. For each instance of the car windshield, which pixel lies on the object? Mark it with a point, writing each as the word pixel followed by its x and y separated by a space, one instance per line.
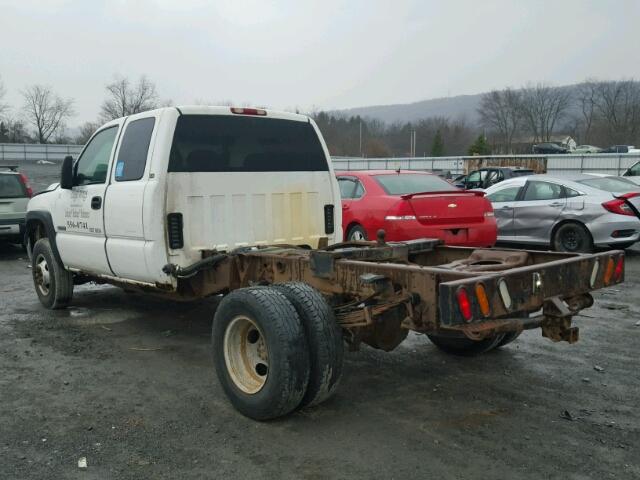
pixel 611 184
pixel 10 187
pixel 224 143
pixel 405 183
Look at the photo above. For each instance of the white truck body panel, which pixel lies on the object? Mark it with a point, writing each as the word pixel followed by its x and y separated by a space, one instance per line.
pixel 127 237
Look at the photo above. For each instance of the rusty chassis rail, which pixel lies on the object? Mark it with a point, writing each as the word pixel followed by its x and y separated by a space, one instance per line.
pixel 380 291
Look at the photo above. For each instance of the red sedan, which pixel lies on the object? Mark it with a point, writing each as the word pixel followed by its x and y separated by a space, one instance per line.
pixel 410 205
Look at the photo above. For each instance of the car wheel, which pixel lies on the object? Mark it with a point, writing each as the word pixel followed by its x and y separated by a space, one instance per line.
pixel 572 237
pixel 53 283
pixel 324 337
pixel 357 234
pixel 464 346
pixel 622 246
pixel 260 352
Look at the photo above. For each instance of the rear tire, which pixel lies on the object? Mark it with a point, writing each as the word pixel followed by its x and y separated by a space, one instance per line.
pixel 572 237
pixel 463 346
pixel 324 337
pixel 260 352
pixel 357 234
pixel 53 283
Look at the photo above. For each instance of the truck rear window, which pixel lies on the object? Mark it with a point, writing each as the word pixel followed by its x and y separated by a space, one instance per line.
pixel 224 143
pixel 11 187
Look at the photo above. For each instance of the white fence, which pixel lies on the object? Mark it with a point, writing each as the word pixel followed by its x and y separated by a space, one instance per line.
pixel 30 152
pixel 609 163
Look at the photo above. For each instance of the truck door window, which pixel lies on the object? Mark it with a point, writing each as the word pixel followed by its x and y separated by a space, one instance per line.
pixel 232 143
pixel 132 156
pixel 93 164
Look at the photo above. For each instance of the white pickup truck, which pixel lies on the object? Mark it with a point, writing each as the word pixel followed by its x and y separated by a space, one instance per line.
pixel 189 202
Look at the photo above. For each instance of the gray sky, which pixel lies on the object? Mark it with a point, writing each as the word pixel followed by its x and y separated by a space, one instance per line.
pixel 322 54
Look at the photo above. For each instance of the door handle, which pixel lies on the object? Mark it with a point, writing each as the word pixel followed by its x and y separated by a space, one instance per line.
pixel 507 207
pixel 96 203
pixel 556 204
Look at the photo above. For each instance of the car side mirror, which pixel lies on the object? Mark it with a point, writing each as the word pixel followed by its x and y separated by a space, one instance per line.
pixel 66 174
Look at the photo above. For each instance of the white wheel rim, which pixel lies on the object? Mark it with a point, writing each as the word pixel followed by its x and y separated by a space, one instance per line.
pixel 245 355
pixel 43 277
pixel 357 235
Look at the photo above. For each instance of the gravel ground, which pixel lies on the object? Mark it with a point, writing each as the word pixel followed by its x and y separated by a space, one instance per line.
pixel 126 381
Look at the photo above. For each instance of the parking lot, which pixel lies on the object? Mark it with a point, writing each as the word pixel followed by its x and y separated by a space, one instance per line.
pixel 126 381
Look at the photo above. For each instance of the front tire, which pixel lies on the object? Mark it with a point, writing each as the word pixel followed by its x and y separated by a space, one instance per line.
pixel 260 352
pixel 465 347
pixel 572 237
pixel 324 336
pixel 53 283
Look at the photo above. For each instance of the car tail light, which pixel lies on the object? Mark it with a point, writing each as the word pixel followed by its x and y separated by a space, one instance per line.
pixel 249 111
pixel 464 303
pixel 25 181
pixel 401 211
pixel 483 300
pixel 617 274
pixel 619 206
pixel 608 273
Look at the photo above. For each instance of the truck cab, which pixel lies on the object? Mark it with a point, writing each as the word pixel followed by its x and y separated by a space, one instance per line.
pixel 168 185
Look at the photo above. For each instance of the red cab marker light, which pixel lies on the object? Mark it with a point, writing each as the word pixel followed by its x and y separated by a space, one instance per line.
pixel 464 303
pixel 249 111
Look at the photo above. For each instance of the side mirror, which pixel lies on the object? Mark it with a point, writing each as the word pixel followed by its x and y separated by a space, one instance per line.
pixel 66 174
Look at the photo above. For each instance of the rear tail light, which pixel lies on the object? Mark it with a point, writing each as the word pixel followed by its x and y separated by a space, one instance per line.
pixel 483 300
pixel 25 181
pixel 608 273
pixel 329 219
pixel 617 274
pixel 464 303
pixel 619 206
pixel 174 228
pixel 400 211
pixel 503 288
pixel 249 111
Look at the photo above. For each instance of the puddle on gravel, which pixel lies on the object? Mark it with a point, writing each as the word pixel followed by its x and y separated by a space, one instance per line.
pixel 80 316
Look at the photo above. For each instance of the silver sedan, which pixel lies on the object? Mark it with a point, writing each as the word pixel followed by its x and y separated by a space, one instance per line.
pixel 570 213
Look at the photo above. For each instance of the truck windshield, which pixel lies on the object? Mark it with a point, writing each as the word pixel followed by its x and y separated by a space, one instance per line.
pixel 225 143
pixel 403 184
pixel 10 187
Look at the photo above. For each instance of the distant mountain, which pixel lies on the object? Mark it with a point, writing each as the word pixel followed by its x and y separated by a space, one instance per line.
pixel 461 106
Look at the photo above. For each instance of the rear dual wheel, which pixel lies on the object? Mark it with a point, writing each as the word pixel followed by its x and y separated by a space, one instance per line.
pixel 276 349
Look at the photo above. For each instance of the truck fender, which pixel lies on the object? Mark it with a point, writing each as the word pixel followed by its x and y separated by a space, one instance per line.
pixel 33 219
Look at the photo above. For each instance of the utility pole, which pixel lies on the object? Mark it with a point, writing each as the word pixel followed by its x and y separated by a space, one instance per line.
pixel 360 137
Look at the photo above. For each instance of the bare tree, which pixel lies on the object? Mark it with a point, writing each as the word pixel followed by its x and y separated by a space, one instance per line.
pixel 4 108
pixel 542 106
pixel 124 99
pixel 45 111
pixel 618 103
pixel 500 112
pixel 586 97
pixel 85 132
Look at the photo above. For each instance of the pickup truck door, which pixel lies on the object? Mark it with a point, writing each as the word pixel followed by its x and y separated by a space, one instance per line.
pixel 536 214
pixel 78 212
pixel 128 248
